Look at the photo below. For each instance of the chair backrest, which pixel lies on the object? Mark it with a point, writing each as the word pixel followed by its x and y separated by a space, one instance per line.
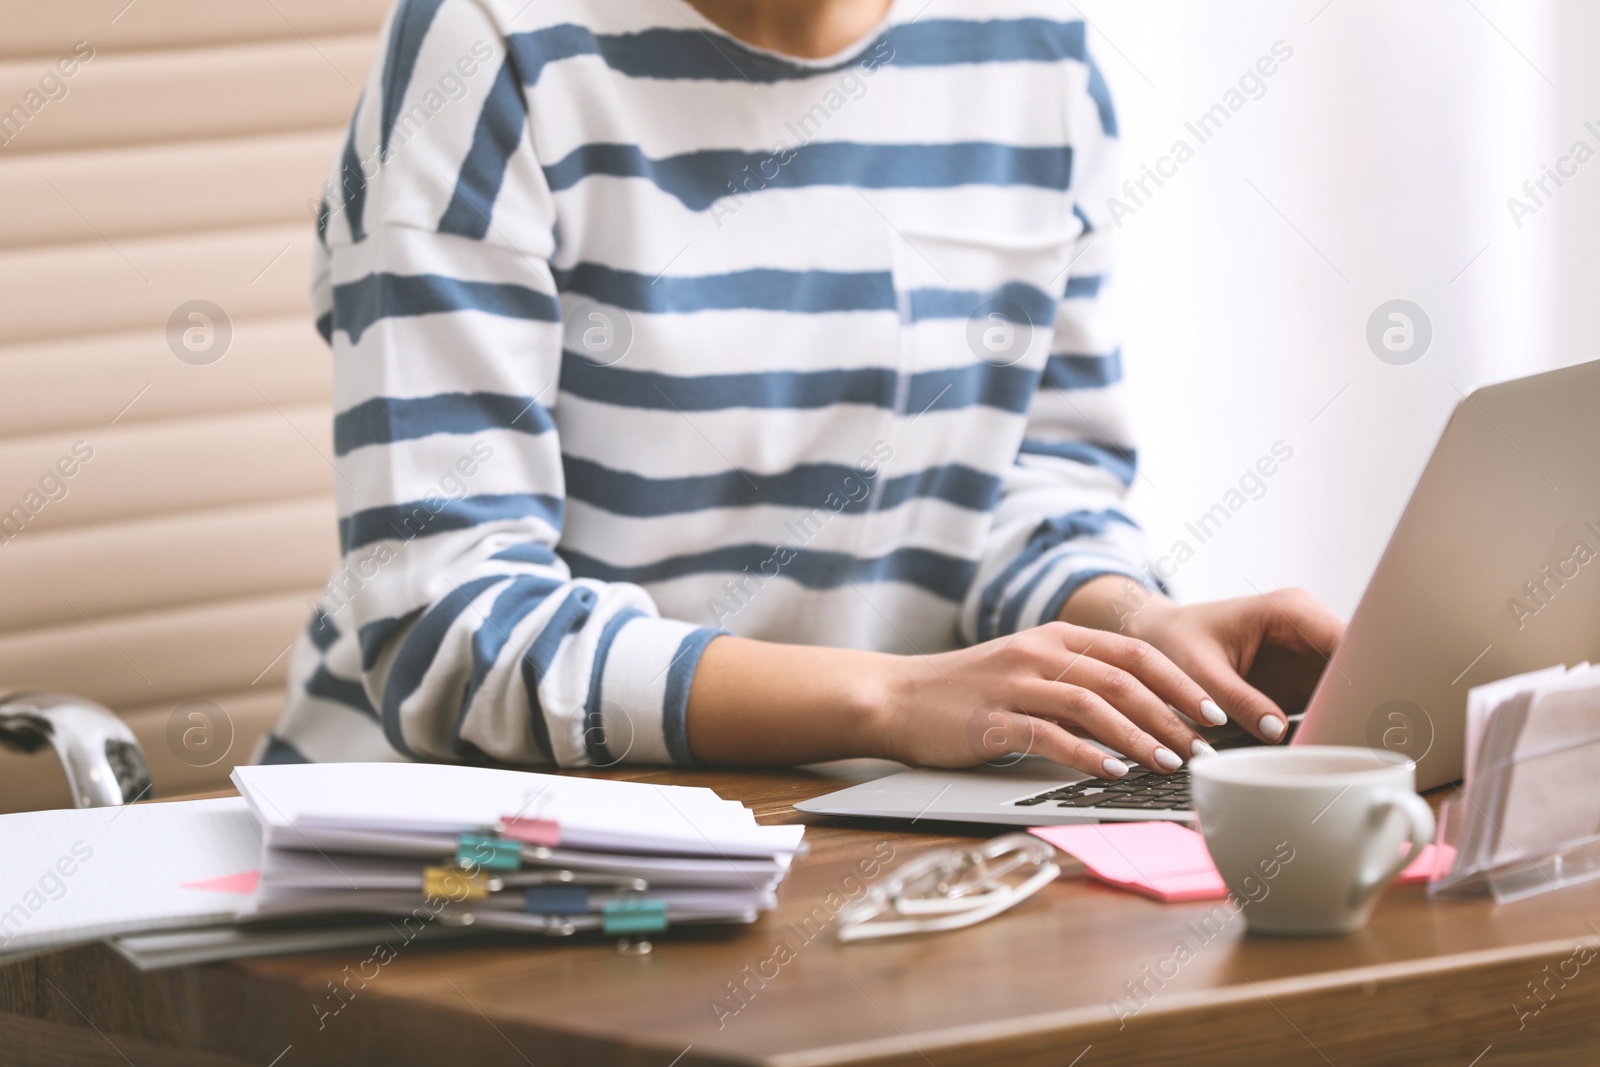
pixel 165 481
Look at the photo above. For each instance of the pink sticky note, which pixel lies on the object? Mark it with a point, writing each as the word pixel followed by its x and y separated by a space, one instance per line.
pixel 243 883
pixel 1419 869
pixel 1164 860
pixel 1158 859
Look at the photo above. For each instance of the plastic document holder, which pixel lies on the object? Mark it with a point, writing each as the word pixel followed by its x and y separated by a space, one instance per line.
pixel 1527 822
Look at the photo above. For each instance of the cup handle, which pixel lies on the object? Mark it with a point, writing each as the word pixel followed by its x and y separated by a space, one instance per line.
pixel 1420 818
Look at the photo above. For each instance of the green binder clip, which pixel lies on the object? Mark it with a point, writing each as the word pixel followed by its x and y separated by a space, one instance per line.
pixel 489 852
pixel 638 915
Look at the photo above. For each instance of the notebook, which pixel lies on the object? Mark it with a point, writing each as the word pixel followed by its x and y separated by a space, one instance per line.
pixel 83 874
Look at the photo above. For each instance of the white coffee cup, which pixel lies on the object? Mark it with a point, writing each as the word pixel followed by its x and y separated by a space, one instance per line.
pixel 1306 837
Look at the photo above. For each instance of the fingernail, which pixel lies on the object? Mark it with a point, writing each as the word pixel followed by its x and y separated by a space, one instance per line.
pixel 1271 727
pixel 1212 714
pixel 1114 768
pixel 1169 760
pixel 1200 748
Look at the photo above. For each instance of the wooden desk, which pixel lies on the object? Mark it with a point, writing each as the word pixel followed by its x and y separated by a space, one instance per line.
pixel 1424 983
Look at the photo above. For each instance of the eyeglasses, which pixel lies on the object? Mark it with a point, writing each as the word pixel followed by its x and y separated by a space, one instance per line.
pixel 951 888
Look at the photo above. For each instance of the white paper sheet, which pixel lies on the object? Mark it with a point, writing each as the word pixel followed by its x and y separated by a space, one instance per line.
pixel 293 800
pixel 287 869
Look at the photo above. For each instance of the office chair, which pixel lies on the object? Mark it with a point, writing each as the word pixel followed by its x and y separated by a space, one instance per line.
pixel 105 765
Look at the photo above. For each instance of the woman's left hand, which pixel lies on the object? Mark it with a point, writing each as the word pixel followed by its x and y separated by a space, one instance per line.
pixel 1217 643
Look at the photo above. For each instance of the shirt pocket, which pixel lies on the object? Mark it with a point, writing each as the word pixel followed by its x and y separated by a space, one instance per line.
pixel 977 319
pixel 977 315
pixel 979 297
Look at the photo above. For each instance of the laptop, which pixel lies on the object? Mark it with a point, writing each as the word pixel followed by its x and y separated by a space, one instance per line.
pixel 1493 570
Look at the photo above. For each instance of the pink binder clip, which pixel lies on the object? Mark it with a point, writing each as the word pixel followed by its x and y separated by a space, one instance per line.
pixel 544 832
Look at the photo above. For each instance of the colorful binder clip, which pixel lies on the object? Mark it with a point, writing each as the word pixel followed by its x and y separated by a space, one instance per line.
pixel 455 884
pixel 545 833
pixel 556 900
pixel 634 915
pixel 489 852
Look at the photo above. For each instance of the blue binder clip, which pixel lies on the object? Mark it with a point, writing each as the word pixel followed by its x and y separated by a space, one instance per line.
pixel 556 900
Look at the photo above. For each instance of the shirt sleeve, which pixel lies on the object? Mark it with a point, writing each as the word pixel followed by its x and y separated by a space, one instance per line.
pixel 1061 519
pixel 434 287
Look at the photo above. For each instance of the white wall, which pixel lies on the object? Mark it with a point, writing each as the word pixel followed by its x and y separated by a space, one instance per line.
pixel 1376 166
pixel 1578 211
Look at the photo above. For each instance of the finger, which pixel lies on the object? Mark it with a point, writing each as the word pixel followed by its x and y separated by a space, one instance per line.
pixel 1083 707
pixel 1130 696
pixel 1042 737
pixel 1151 666
pixel 1297 620
pixel 1243 702
pixel 1166 680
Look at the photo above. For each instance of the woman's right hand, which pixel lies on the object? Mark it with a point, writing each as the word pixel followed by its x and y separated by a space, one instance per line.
pixel 1036 692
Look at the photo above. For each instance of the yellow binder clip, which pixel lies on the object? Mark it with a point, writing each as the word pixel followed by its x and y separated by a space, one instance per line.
pixel 455 884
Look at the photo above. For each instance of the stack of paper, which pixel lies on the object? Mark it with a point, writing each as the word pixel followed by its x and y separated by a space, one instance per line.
pixel 1528 815
pixel 506 850
pixel 329 855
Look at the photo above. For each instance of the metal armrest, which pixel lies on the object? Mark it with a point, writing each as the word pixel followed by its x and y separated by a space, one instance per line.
pixel 104 764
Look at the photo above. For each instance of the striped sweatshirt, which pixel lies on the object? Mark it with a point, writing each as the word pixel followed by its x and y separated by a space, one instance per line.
pixel 642 335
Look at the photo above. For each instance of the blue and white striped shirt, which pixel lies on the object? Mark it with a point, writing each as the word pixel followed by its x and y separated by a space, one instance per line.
pixel 641 335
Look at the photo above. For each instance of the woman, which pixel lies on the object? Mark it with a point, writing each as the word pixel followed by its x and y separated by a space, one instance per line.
pixel 733 383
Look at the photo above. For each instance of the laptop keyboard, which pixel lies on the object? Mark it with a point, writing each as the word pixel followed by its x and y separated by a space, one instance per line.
pixel 1139 790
